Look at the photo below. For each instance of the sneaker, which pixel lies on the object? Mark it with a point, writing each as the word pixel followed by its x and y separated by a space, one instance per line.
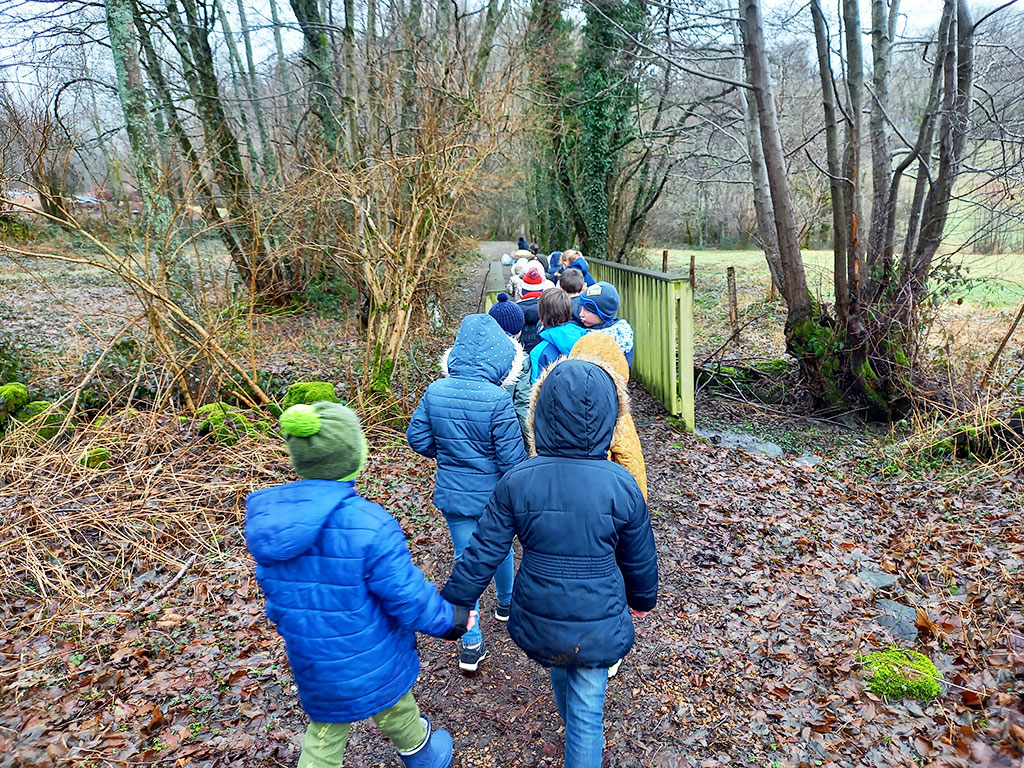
pixel 613 670
pixel 470 659
pixel 501 612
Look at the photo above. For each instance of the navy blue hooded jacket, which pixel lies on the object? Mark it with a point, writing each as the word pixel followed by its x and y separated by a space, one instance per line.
pixel 588 548
pixel 343 592
pixel 467 420
pixel 530 335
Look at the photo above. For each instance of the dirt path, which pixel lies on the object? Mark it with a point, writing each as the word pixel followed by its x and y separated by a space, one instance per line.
pixel 774 577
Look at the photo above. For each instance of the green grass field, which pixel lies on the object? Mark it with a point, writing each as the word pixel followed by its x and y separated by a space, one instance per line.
pixel 985 281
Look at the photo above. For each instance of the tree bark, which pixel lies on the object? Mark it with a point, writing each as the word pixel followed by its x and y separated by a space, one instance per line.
pixel 318 54
pixel 268 158
pixel 836 184
pixel 797 295
pixel 882 31
pixel 766 232
pixel 958 77
pixel 282 71
pixel 855 85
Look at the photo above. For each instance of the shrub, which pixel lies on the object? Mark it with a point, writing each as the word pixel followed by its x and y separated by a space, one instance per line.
pixel 309 392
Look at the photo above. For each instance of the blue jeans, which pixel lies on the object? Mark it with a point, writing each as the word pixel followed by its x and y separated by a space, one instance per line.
pixel 579 694
pixel 461 530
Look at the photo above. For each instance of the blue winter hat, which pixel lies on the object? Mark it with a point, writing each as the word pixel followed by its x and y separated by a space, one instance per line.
pixel 602 299
pixel 523 244
pixel 508 314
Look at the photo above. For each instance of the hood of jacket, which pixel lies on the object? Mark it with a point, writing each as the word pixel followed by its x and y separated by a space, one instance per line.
pixel 601 350
pixel 283 522
pixel 564 337
pixel 573 410
pixel 483 351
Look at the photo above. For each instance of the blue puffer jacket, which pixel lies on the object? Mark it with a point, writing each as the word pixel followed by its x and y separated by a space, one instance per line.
pixel 588 548
pixel 344 594
pixel 555 342
pixel 467 421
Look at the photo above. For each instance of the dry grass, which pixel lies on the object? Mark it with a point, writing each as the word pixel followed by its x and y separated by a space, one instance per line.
pixel 72 537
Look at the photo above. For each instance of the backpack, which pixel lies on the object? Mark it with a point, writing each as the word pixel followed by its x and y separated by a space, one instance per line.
pixel 530 336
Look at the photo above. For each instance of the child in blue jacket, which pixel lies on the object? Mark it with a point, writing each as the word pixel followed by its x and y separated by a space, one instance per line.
pixel 588 549
pixel 598 309
pixel 468 423
pixel 559 334
pixel 343 593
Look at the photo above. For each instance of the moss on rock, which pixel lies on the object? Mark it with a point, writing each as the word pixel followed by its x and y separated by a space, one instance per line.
pixel 95 458
pixel 13 397
pixel 309 392
pixel 40 414
pixel 900 673
pixel 227 424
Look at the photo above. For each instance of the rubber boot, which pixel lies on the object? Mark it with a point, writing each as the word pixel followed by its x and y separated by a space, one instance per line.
pixel 434 752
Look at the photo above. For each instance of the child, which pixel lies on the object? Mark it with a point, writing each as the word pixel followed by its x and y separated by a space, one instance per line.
pixel 533 283
pixel 559 333
pixel 601 350
pixel 516 277
pixel 573 259
pixel 467 422
pixel 510 317
pixel 598 306
pixel 554 266
pixel 588 550
pixel 344 594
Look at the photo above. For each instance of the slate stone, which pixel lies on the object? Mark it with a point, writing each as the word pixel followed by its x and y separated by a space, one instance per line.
pixel 900 619
pixel 877 579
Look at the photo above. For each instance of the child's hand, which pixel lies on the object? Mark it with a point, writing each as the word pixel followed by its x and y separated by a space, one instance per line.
pixel 637 614
pixel 473 616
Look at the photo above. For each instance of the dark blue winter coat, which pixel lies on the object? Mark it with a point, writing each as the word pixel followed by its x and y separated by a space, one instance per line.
pixel 588 549
pixel 554 265
pixel 467 421
pixel 343 592
pixel 530 335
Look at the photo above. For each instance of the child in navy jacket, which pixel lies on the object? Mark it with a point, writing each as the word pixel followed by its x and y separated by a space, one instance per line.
pixel 588 549
pixel 343 593
pixel 468 423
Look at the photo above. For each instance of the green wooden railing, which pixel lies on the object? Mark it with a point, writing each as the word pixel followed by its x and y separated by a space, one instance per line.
pixel 494 284
pixel 659 306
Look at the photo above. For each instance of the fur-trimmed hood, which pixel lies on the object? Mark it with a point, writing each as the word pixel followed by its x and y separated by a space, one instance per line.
pixel 573 410
pixel 601 350
pixel 483 351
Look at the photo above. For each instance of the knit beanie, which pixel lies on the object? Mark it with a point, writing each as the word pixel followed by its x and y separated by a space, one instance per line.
pixel 324 440
pixel 508 315
pixel 602 299
pixel 532 279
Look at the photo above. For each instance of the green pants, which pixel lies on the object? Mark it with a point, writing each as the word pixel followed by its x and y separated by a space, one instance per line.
pixel 324 743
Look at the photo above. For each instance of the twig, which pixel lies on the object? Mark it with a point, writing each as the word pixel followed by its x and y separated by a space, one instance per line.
pixel 728 341
pixel 1000 348
pixel 166 587
pixel 820 419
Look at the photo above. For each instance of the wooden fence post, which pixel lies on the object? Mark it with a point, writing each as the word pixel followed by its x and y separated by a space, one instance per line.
pixel 693 270
pixel 664 260
pixel 734 318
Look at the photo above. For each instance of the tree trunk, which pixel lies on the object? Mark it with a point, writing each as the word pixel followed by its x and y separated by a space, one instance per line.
pixel 282 72
pixel 836 184
pixel 767 235
pixel 318 54
pixel 882 31
pixel 238 73
pixel 268 159
pixel 958 77
pixel 797 295
pixel 855 85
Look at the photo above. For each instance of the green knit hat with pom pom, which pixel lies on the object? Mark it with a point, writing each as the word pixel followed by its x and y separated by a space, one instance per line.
pixel 324 440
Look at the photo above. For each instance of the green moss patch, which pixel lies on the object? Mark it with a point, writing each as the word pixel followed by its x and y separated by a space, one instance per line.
pixel 900 673
pixel 40 414
pixel 95 458
pixel 309 392
pixel 227 424
pixel 13 397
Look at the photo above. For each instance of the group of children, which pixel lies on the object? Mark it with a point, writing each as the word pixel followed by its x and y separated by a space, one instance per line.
pixel 556 464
